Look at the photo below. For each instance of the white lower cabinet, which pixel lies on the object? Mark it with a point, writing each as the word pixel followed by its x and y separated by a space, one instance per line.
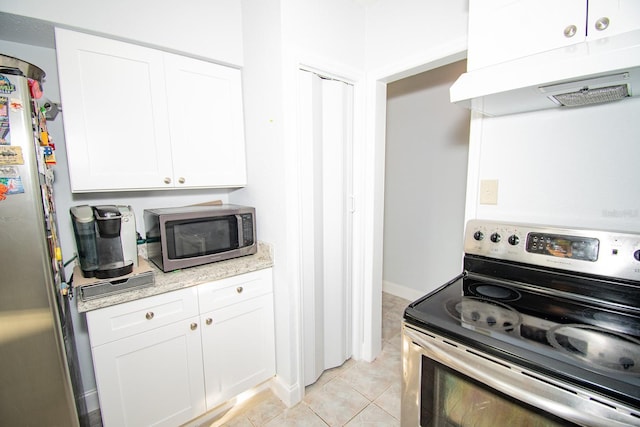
pixel 238 348
pixel 166 359
pixel 154 378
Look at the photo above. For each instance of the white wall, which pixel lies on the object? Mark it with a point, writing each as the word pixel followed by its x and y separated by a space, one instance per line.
pixel 568 167
pixel 209 29
pixel 406 31
pixel 279 36
pixel 262 84
pixel 425 182
pixel 330 32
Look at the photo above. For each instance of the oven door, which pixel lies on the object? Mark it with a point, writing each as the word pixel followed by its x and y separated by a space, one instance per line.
pixel 446 383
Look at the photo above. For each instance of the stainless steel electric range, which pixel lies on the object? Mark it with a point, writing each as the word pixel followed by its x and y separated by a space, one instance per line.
pixel 541 328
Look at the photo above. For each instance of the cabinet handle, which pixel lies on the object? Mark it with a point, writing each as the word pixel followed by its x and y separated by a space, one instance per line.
pixel 602 23
pixel 194 326
pixel 570 31
pixel 149 315
pixel 209 321
pixel 167 180
pixel 181 180
pixel 239 289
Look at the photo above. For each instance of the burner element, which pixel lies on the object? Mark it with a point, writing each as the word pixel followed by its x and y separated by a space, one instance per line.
pixel 493 291
pixel 597 347
pixel 621 323
pixel 483 314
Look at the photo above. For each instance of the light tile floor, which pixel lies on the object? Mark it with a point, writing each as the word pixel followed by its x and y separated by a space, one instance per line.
pixel 355 394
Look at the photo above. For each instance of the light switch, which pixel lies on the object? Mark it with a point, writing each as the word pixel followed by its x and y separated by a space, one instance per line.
pixel 489 192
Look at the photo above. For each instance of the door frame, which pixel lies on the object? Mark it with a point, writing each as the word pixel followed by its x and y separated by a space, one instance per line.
pixel 370 229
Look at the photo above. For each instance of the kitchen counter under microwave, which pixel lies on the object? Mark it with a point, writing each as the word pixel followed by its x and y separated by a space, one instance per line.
pixel 179 279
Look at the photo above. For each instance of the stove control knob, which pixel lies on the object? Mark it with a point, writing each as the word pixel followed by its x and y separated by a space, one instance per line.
pixel 478 235
pixel 495 237
pixel 514 240
pixel 636 255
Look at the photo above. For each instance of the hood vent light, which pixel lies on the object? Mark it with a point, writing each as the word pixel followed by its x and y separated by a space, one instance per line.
pixel 586 96
pixel 590 91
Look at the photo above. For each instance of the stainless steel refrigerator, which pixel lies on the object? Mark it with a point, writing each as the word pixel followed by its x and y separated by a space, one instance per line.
pixel 37 351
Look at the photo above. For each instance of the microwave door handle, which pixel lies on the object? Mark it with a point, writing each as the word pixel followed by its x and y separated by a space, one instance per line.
pixel 240 230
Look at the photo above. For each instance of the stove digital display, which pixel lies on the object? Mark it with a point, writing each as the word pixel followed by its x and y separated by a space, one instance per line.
pixel 574 247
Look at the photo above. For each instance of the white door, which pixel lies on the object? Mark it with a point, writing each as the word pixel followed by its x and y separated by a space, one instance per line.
pixel 115 114
pixel 153 378
pixel 206 120
pixel 521 28
pixel 326 129
pixel 238 348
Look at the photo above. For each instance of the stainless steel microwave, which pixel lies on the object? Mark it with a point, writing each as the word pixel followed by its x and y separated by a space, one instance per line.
pixel 195 235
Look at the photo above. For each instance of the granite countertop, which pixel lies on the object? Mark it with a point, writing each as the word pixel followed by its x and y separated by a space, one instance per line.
pixel 179 279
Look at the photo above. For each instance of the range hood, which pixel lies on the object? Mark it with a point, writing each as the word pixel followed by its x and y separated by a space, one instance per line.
pixel 590 72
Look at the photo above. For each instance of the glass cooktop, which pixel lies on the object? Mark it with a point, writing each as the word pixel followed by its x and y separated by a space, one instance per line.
pixel 586 344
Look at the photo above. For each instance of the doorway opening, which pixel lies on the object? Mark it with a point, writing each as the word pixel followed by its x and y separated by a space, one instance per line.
pixel 426 155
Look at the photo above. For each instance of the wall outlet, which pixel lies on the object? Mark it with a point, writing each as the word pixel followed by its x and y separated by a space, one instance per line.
pixel 489 192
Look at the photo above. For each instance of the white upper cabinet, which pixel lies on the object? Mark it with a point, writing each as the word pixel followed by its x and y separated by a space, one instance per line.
pixel 502 30
pixel 606 18
pixel 138 118
pixel 207 129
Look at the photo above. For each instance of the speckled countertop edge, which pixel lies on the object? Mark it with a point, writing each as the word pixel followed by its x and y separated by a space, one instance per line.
pixel 179 279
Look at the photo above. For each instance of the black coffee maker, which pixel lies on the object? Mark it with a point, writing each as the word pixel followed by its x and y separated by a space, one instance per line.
pixel 105 239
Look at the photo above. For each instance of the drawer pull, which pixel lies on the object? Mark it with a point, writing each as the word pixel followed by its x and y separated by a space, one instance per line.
pixel 602 24
pixel 570 31
pixel 239 289
pixel 149 315
pixel 194 326
pixel 209 321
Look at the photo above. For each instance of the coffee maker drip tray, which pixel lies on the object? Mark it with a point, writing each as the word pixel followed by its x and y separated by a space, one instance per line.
pixel 91 288
pixel 113 270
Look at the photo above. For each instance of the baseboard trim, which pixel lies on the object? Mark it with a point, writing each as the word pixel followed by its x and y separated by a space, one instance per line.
pixel 289 394
pixel 401 291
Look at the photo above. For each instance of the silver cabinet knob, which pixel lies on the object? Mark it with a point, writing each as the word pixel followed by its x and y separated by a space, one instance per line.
pixel 194 326
pixel 602 23
pixel 167 180
pixel 239 289
pixel 149 315
pixel 570 31
pixel 181 180
pixel 209 321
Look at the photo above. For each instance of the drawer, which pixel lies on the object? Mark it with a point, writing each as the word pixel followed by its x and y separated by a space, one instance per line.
pixel 130 318
pixel 232 290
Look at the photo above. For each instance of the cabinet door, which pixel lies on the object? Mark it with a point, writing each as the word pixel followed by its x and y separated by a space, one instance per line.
pixel 238 348
pixel 501 30
pixel 207 125
pixel 620 16
pixel 115 113
pixel 153 378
